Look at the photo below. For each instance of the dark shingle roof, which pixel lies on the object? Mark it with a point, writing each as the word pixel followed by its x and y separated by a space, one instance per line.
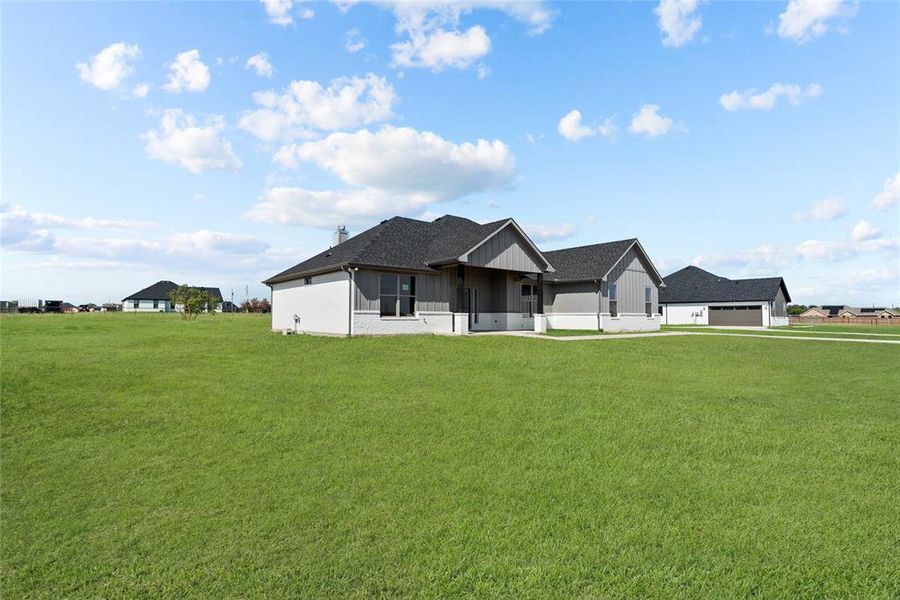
pixel 693 284
pixel 399 243
pixel 586 262
pixel 161 289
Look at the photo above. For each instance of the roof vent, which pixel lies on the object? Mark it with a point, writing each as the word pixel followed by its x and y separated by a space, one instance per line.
pixel 340 235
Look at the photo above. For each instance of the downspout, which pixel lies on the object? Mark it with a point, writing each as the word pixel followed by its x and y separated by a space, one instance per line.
pixel 349 272
pixel 599 303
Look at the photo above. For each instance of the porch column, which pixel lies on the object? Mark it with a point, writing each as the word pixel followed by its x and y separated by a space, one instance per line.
pixel 540 320
pixel 460 313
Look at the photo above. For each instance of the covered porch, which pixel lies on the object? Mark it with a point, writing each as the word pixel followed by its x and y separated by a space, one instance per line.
pixel 489 299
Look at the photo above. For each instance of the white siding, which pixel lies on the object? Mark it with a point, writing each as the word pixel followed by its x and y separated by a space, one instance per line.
pixel 323 306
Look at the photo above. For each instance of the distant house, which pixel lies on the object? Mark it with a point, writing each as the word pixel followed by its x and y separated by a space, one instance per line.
pixel 850 312
pixel 453 275
pixel 68 307
pixel 693 296
pixel 156 298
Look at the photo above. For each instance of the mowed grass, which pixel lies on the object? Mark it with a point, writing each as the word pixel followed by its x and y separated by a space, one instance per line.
pixel 582 332
pixel 837 331
pixel 147 456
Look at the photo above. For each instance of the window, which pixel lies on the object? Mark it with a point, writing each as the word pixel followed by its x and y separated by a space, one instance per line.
pixel 613 300
pixel 648 301
pixel 307 280
pixel 136 303
pixel 156 304
pixel 529 299
pixel 397 295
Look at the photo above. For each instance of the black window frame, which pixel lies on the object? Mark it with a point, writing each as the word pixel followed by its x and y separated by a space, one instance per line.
pixel 648 301
pixel 613 293
pixel 156 304
pixel 135 304
pixel 398 296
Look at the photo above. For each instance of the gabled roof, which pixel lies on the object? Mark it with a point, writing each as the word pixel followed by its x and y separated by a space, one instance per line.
pixel 161 290
pixel 402 243
pixel 593 262
pixel 693 284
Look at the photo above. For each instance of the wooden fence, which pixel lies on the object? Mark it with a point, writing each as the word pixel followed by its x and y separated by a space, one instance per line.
pixel 873 321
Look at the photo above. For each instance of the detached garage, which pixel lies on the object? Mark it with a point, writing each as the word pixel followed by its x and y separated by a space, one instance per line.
pixel 693 296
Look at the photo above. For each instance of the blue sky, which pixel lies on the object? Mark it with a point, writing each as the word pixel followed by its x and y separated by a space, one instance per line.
pixel 141 142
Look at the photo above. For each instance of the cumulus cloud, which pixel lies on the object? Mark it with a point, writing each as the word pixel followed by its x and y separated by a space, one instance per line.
pixel 439 49
pixel 108 68
pixel 140 90
pixel 827 209
pixel 863 231
pixel 187 73
pixel 548 233
pixel 649 122
pixel 407 161
pixel 260 63
pixel 197 147
pixel 804 20
pixel 432 37
pixel 750 99
pixel 890 195
pixel 306 105
pixel 571 127
pixel 678 21
pixel 354 41
pixel 389 171
pixel 279 11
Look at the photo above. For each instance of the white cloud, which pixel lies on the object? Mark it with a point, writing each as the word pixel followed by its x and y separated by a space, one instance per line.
pixel 279 11
pixel 749 99
pixel 863 231
pixel 214 242
pixel 354 41
pixel 141 90
pixel 24 230
pixel 771 258
pixel 108 68
pixel 549 233
pixel 678 20
pixel 390 171
pixel 326 209
pixel 483 71
pixel 571 127
pixel 890 195
pixel 432 38
pixel 440 48
pixel 305 105
pixel 187 72
pixel 260 63
pixel 803 20
pixel 198 148
pixel 649 122
pixel 827 209
pixel 407 161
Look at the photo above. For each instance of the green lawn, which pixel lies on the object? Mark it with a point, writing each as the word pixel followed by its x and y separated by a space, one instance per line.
pixel 580 332
pixel 147 456
pixel 836 331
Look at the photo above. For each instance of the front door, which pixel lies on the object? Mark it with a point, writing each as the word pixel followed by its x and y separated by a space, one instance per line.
pixel 472 301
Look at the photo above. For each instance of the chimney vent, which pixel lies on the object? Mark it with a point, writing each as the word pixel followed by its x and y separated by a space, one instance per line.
pixel 340 235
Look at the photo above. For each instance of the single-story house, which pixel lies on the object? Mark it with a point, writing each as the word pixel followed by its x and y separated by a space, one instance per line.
pixel 453 275
pixel 693 296
pixel 844 311
pixel 155 298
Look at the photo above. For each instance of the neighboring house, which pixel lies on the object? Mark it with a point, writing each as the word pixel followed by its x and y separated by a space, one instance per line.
pixel 156 298
pixel 453 275
pixel 849 312
pixel 68 307
pixel 693 296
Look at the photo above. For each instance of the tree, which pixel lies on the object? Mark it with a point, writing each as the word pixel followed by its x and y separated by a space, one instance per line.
pixel 255 305
pixel 796 309
pixel 189 301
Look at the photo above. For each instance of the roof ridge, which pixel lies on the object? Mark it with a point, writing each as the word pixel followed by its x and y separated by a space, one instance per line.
pixel 631 239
